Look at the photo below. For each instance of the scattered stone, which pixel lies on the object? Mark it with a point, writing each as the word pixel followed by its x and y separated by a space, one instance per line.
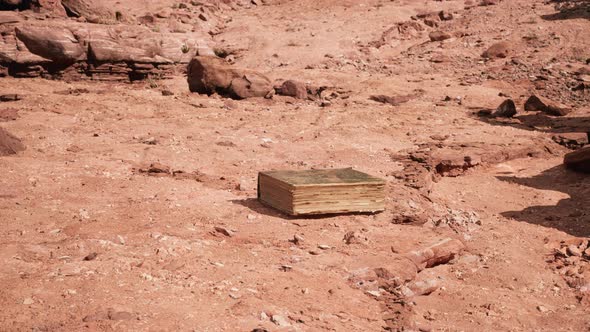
pixel 294 89
pixel 445 15
pixel 10 97
pixel 297 239
pixel 396 100
pixel 497 50
pixel 350 238
pixel 542 309
pixel 286 268
pixel 167 93
pixel 156 169
pixel 279 320
pixel 224 231
pixel 440 58
pixel 506 110
pixel 488 2
pixel 578 160
pixel 439 253
pixel 324 247
pixel 573 250
pixel 28 301
pixel 458 220
pixel 535 103
pixel 120 315
pixel 91 256
pixel 438 35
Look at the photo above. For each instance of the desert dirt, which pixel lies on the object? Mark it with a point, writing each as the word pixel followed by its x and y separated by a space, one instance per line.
pixel 130 210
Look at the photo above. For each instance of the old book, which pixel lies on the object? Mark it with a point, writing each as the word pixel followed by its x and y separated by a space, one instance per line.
pixel 321 191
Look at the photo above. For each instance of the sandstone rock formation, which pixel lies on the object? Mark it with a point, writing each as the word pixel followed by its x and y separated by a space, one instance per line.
pixel 210 74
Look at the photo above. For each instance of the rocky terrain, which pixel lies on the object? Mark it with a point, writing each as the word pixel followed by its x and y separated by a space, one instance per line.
pixel 132 133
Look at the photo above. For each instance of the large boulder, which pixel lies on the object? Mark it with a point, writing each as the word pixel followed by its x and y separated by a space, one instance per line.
pixel 578 160
pixel 209 74
pixel 56 44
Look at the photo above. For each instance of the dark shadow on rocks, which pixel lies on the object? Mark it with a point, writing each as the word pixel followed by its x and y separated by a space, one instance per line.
pixel 259 208
pixel 570 215
pixel 569 9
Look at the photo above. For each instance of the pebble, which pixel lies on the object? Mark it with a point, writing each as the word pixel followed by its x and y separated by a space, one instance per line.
pixel 324 247
pixel 297 239
pixel 542 308
pixel 28 301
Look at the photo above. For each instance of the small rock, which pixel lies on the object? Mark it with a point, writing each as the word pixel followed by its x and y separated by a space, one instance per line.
pixel 167 93
pixel 572 250
pixel 28 301
pixel 506 110
pixel 497 50
pixel 374 293
pixel 10 97
pixel 445 16
pixel 297 239
pixel 350 238
pixel 542 308
pixel 280 320
pixel 286 268
pixel 91 256
pixel 438 36
pixel 120 315
pixel 224 231
pixel 294 89
pixel 324 247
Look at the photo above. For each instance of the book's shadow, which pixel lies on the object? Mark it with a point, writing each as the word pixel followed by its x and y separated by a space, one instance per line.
pixel 256 206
